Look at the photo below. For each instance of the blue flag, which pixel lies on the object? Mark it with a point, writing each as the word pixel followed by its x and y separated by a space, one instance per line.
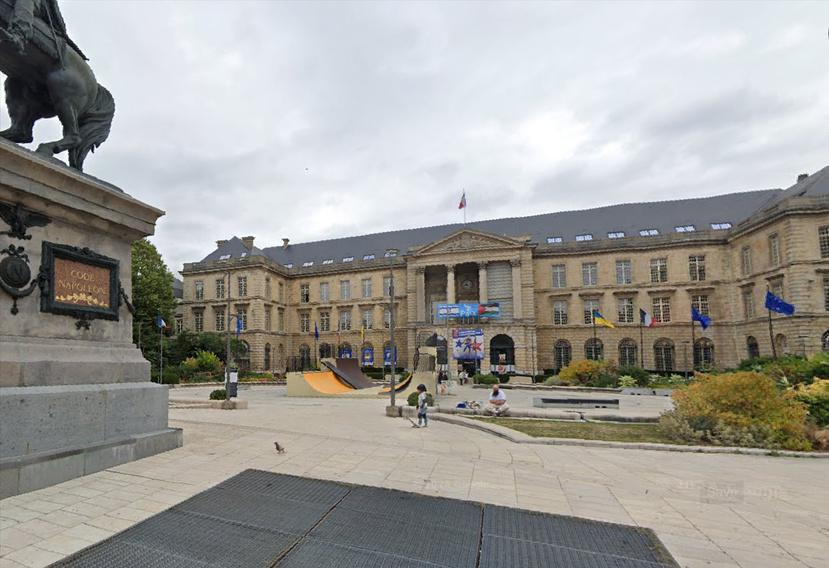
pixel 159 321
pixel 316 332
pixel 238 326
pixel 778 305
pixel 704 321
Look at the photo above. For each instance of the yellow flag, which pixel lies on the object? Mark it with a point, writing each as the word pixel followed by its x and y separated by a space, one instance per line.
pixel 599 319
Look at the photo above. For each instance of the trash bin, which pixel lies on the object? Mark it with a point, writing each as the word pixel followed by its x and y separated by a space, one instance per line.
pixel 233 384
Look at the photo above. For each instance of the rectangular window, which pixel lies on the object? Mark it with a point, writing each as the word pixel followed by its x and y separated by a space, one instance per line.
pixel 242 282
pixel 662 310
pixel 659 270
pixel 268 287
pixel 585 237
pixel 625 309
pixel 774 249
pixel 280 320
pixel 624 272
pixel 589 306
pixel 823 239
pixel 685 229
pixel 325 321
pixel 724 226
pixel 345 289
pixel 745 257
pixel 368 257
pixel 220 288
pixel 777 289
pixel 345 320
pixel 325 292
pixel 307 263
pixel 387 318
pixel 242 315
pixel 748 304
pixel 648 232
pixel 282 292
pixel 700 303
pixel 368 319
pixel 199 290
pixel 390 253
pixel 220 320
pixel 826 294
pixel 179 324
pixel 304 322
pixel 696 267
pixel 554 240
pixel 198 321
pixel 365 285
pixel 616 235
pixel 304 293
pixel 348 259
pixel 560 312
pixel 387 286
pixel 589 273
pixel 559 276
pixel 328 261
pixel 268 321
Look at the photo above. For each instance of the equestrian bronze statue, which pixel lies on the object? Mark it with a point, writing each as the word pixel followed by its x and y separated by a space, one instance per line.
pixel 47 75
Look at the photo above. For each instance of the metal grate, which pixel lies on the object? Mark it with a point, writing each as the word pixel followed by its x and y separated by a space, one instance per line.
pixel 261 519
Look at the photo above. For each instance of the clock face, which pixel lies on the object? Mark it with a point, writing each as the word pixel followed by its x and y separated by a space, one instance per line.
pixel 466 284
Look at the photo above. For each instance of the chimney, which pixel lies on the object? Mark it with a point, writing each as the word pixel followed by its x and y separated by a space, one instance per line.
pixel 248 242
pixel 801 177
pixel 220 244
pixel 285 243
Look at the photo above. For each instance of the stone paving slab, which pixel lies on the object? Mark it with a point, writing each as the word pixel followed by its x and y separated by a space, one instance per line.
pixel 258 525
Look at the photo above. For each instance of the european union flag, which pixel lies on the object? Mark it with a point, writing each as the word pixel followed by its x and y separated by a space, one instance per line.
pixel 238 326
pixel 316 332
pixel 159 321
pixel 778 305
pixel 704 321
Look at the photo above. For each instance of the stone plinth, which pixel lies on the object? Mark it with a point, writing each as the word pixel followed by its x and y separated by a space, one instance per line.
pixel 75 393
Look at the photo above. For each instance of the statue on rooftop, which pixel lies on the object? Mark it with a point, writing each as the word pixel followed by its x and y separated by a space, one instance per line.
pixel 47 75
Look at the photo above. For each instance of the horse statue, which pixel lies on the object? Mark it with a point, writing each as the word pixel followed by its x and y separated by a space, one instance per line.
pixel 47 75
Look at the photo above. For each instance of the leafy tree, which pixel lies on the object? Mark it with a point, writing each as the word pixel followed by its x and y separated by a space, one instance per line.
pixel 152 295
pixel 188 344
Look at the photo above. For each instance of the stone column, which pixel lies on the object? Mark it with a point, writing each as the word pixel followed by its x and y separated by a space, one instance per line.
pixel 450 283
pixel 420 293
pixel 483 290
pixel 517 308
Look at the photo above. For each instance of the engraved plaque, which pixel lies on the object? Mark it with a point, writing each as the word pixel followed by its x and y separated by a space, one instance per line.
pixel 79 283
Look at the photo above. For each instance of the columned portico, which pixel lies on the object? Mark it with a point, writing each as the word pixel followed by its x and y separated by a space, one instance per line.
pixel 450 283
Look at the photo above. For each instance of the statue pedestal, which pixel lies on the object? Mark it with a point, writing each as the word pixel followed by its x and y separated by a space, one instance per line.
pixel 75 393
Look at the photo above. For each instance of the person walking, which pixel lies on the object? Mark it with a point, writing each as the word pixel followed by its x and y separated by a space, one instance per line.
pixel 422 406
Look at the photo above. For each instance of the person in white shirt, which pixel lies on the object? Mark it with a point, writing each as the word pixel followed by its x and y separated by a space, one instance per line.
pixel 422 407
pixel 497 402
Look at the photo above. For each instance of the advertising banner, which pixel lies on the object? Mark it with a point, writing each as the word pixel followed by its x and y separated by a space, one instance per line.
pixel 490 310
pixel 368 356
pixel 387 355
pixel 468 344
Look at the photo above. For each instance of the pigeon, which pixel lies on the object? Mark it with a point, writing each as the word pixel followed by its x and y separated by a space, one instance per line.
pixel 279 449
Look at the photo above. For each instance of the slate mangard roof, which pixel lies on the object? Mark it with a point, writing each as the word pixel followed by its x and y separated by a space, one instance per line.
pixel 629 218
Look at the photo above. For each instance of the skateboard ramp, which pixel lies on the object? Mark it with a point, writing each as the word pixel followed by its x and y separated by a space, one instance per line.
pixel 348 370
pixel 324 384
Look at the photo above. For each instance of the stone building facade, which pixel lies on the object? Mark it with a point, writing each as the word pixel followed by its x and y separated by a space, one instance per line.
pixel 547 273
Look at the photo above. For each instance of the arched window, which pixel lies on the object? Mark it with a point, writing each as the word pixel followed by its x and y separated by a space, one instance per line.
pixel 304 357
pixel 267 362
pixel 593 349
pixel 344 351
pixel 752 347
pixel 782 344
pixel 663 355
pixel 326 351
pixel 703 353
pixel 563 353
pixel 627 353
pixel 243 358
pixel 824 341
pixel 280 357
pixel 502 350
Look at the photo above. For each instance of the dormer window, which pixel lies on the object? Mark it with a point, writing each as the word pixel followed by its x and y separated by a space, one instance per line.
pixel 289 265
pixel 648 232
pixel 368 257
pixel 308 263
pixel 685 229
pixel 616 235
pixel 328 261
pixel 584 237
pixel 348 259
pixel 554 240
pixel 723 226
pixel 391 253
pixel 244 254
pixel 224 257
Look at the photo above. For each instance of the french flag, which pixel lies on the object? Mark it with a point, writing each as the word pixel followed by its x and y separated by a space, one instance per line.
pixel 646 319
pixel 462 204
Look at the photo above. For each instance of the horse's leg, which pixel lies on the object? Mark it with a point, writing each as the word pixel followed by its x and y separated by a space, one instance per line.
pixel 68 117
pixel 24 109
pixel 69 95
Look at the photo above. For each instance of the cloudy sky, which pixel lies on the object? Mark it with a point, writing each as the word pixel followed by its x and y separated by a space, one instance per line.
pixel 317 120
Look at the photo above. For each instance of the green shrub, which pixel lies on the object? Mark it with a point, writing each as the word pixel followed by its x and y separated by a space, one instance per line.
pixel 816 398
pixel 627 382
pixel 255 375
pixel 411 400
pixel 171 376
pixel 739 409
pixel 218 394
pixel 486 380
pixel 642 377
pixel 589 373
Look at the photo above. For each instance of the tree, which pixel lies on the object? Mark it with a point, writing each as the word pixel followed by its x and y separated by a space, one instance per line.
pixel 152 295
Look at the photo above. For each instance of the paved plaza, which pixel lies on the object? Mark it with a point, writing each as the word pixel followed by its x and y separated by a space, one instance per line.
pixel 709 510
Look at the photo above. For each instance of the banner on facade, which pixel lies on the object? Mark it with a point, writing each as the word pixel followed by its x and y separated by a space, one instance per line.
pixel 489 310
pixel 368 356
pixel 468 344
pixel 387 355
pixel 345 352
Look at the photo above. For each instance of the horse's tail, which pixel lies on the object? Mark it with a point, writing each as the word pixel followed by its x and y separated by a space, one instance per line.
pixel 94 126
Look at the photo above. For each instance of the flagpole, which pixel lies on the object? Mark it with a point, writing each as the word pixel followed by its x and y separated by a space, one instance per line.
pixel 160 352
pixel 593 316
pixel 693 341
pixel 771 328
pixel 641 340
